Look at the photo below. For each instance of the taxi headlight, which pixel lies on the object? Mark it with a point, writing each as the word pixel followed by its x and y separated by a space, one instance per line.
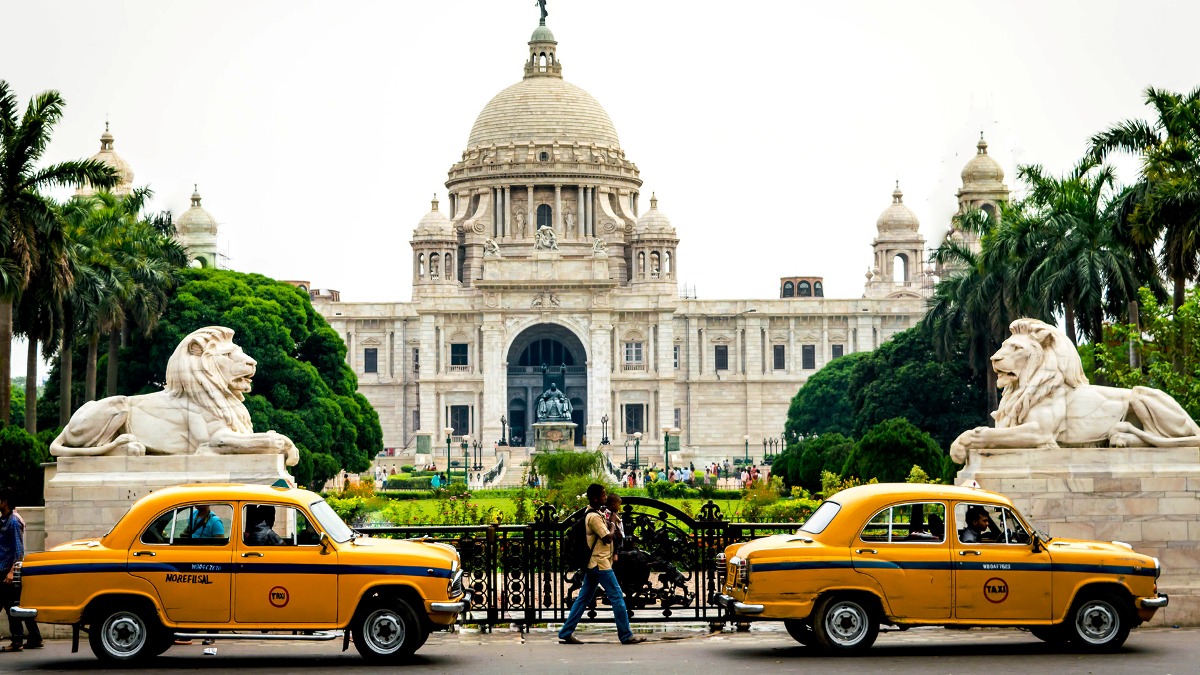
pixel 1157 568
pixel 743 570
pixel 455 588
pixel 16 570
pixel 722 570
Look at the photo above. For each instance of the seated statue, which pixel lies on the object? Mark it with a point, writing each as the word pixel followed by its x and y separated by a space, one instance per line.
pixel 545 239
pixel 553 405
pixel 200 410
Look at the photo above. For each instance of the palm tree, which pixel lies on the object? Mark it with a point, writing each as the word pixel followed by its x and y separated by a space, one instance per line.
pixel 1165 205
pixel 23 209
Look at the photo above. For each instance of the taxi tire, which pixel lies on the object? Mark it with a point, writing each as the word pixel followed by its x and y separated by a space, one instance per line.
pixel 122 633
pixel 844 624
pixel 801 631
pixel 1098 622
pixel 387 614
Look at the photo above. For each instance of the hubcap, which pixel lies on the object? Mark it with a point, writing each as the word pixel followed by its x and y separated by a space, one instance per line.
pixel 1097 622
pixel 846 623
pixel 124 634
pixel 384 631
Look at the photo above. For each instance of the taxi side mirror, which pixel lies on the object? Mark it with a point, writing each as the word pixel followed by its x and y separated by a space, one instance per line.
pixel 1037 543
pixel 323 540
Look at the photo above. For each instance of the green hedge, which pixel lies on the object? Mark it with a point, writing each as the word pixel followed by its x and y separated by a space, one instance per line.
pixel 417 483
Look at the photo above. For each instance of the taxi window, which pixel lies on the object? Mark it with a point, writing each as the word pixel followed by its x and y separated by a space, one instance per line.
pixel 271 525
pixel 191 525
pixel 989 524
pixel 820 519
pixel 916 522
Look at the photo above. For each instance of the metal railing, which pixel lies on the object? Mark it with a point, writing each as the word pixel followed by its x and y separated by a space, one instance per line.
pixel 494 472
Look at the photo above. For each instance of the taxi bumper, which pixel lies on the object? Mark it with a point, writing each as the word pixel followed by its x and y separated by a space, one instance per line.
pixel 733 605
pixel 456 607
pixel 1156 602
pixel 18 612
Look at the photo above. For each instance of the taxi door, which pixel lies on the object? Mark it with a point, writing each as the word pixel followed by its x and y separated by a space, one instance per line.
pixel 186 554
pixel 1000 577
pixel 903 547
pixel 283 576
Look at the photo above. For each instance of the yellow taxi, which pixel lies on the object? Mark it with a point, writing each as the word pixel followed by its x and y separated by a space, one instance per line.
pixel 239 561
pixel 915 555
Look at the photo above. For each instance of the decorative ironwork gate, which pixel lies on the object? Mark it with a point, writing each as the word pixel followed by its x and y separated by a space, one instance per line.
pixel 666 566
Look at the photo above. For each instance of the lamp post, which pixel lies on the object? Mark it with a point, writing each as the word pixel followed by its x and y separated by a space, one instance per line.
pixel 466 443
pixel 667 450
pixel 503 430
pixel 746 460
pixel 449 434
pixel 478 445
pixel 626 451
pixel 604 433
pixel 637 440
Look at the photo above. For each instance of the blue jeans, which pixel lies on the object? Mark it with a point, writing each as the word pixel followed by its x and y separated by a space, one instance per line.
pixel 607 580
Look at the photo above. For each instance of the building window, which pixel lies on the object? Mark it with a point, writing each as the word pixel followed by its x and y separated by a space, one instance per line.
pixel 546 351
pixel 421 265
pixel 675 356
pixel 458 354
pixel 544 216
pixel 416 420
pixel 435 264
pixel 460 419
pixel 818 289
pixel 678 418
pixel 789 289
pixel 416 360
pixel 803 290
pixel 721 356
pixel 778 357
pixel 635 417
pixel 838 350
pixel 808 357
pixel 370 360
pixel 633 352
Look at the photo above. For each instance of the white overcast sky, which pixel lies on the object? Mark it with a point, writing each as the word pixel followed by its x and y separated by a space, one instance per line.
pixel 771 131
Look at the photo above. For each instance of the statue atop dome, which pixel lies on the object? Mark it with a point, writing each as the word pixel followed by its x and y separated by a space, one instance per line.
pixel 542 6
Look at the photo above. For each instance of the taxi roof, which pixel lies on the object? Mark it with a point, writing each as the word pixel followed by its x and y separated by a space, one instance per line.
pixel 876 491
pixel 230 491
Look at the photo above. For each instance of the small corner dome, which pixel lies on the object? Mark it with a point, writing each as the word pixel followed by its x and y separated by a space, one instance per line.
pixel 654 222
pixel 434 225
pixel 897 217
pixel 196 219
pixel 982 168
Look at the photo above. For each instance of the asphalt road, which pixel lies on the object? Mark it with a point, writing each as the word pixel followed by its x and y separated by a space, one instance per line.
pixel 925 650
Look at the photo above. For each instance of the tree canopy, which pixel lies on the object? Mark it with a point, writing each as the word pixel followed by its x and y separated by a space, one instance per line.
pixel 303 387
pixel 889 450
pixel 823 404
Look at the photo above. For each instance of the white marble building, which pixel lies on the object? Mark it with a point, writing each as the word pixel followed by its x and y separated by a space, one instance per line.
pixel 488 308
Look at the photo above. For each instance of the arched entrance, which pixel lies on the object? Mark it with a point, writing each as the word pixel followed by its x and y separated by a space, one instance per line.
pixel 553 346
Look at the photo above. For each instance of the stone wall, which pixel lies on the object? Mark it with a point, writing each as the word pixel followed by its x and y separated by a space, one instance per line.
pixel 1146 497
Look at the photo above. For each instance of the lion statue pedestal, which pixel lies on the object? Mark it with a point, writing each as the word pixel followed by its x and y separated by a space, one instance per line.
pixel 197 430
pixel 1092 462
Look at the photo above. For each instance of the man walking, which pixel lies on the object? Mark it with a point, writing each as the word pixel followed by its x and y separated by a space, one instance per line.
pixel 12 551
pixel 599 573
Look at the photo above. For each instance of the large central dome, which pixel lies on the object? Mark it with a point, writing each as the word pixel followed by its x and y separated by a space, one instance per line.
pixel 543 109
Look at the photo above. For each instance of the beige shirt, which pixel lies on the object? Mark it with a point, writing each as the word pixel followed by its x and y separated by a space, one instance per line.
pixel 597 528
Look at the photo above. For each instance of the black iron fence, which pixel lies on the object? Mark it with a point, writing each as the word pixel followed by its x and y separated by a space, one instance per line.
pixel 666 566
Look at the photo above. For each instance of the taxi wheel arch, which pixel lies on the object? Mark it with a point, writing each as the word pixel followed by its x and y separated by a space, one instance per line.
pixel 124 628
pixel 387 625
pixel 1100 618
pixel 846 623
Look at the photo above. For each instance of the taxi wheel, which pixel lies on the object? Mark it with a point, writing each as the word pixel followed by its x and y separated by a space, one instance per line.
pixel 1099 623
pixel 844 624
pixel 801 631
pixel 387 630
pixel 123 634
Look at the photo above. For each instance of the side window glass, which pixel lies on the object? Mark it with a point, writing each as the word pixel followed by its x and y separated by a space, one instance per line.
pixel 270 525
pixel 192 525
pixel 988 524
pixel 921 522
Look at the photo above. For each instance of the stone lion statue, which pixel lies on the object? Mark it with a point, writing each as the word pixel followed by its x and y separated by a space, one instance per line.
pixel 1047 401
pixel 199 412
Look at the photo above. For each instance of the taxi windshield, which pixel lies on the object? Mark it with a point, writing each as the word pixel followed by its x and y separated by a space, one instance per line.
pixel 820 518
pixel 330 522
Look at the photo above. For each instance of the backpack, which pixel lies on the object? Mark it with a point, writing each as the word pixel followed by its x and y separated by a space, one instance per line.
pixel 576 553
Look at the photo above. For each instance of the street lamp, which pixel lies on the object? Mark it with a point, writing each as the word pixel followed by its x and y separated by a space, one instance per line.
pixel 627 451
pixel 604 434
pixel 747 458
pixel 503 432
pixel 478 445
pixel 667 449
pixel 449 433
pixel 637 441
pixel 466 443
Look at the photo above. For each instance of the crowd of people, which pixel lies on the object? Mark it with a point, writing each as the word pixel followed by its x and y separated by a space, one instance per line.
pixel 722 474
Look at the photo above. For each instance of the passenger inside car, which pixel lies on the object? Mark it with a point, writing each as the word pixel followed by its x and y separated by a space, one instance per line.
pixel 260 532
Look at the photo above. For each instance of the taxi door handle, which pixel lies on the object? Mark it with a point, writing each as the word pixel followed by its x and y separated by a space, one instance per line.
pixel 969 551
pixel 860 551
pixel 149 553
pixel 252 554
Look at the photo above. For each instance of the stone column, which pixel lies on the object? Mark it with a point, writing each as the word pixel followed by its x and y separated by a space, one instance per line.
pixel 530 212
pixel 599 382
pixel 494 381
pixel 558 226
pixel 793 357
pixel 507 210
pixel 581 214
pixel 824 342
pixel 666 377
